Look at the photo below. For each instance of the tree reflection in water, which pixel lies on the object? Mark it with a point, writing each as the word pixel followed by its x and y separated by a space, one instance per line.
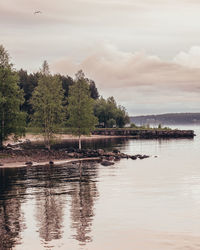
pixel 11 196
pixel 55 189
pixel 84 194
pixel 59 185
pixel 49 204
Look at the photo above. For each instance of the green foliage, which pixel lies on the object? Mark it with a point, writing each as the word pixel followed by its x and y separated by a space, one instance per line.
pixel 106 110
pixel 4 58
pixel 47 103
pixel 133 125
pixel 80 108
pixel 12 120
pixel 93 90
pixel 28 82
pixel 111 123
pixel 159 126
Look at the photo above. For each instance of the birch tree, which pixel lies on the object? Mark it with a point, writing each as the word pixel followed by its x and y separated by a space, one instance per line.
pixel 47 103
pixel 80 108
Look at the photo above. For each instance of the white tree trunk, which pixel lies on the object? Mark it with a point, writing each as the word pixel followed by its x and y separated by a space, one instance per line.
pixel 79 142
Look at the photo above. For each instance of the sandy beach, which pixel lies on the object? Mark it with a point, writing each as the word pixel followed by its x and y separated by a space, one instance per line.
pixel 58 138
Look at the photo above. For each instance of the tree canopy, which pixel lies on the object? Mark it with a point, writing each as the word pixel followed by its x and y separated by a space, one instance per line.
pixel 47 103
pixel 12 120
pixel 81 108
pixel 109 113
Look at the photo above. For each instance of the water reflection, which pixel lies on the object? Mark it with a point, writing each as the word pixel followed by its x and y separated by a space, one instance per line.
pixel 54 190
pixel 82 206
pixel 141 203
pixel 11 215
pixel 49 204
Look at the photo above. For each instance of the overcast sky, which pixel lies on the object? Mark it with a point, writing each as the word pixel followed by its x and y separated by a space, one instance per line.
pixel 146 53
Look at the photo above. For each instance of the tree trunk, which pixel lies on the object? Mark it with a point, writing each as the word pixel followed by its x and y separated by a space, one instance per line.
pixel 79 142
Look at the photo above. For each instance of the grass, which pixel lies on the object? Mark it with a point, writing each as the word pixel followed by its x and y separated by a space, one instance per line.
pixel 36 131
pixel 66 130
pixel 137 128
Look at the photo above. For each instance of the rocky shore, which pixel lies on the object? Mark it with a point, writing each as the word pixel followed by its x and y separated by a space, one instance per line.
pixel 28 156
pixel 146 133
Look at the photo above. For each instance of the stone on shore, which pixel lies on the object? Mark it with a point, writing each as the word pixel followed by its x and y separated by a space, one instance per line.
pixel 107 163
pixel 29 163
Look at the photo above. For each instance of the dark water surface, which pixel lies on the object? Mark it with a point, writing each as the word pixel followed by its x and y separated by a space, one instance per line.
pixel 144 204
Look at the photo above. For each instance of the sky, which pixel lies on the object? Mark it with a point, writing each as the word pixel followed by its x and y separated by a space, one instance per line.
pixel 145 53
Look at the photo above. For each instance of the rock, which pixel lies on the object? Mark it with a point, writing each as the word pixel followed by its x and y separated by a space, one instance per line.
pixel 110 158
pixel 122 155
pixel 133 157
pixel 100 151
pixel 117 158
pixel 109 154
pixel 141 157
pixel 107 163
pixel 116 151
pixel 72 155
pixel 29 163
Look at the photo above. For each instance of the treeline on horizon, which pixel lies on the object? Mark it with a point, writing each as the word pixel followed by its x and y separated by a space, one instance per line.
pixel 167 119
pixel 23 95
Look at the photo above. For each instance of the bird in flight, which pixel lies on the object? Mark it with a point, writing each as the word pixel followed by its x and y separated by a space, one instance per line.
pixel 37 12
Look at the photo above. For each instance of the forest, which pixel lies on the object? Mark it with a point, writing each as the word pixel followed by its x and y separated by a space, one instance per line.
pixel 51 102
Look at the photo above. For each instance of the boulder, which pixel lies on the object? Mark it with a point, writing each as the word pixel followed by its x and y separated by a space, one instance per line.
pixel 110 158
pixel 72 155
pixel 107 163
pixel 116 151
pixel 29 163
pixel 133 157
pixel 141 157
pixel 100 151
pixel 117 158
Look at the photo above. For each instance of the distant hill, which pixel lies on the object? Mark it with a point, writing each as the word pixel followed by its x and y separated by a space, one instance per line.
pixel 167 119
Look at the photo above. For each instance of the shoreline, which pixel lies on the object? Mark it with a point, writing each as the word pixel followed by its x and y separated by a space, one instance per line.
pixel 38 138
pixel 46 163
pixel 15 156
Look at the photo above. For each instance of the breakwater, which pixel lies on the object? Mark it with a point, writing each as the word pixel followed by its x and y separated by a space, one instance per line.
pixel 146 133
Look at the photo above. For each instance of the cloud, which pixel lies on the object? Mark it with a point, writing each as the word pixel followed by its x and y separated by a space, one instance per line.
pixel 189 59
pixel 113 68
pixel 143 83
pixel 145 68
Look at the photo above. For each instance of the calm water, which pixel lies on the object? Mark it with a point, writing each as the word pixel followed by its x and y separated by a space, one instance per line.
pixel 144 204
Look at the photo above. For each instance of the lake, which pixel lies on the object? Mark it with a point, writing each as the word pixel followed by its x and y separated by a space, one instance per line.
pixel 150 204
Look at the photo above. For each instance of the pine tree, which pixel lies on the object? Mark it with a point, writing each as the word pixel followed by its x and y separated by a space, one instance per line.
pixel 12 120
pixel 47 103
pixel 80 108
